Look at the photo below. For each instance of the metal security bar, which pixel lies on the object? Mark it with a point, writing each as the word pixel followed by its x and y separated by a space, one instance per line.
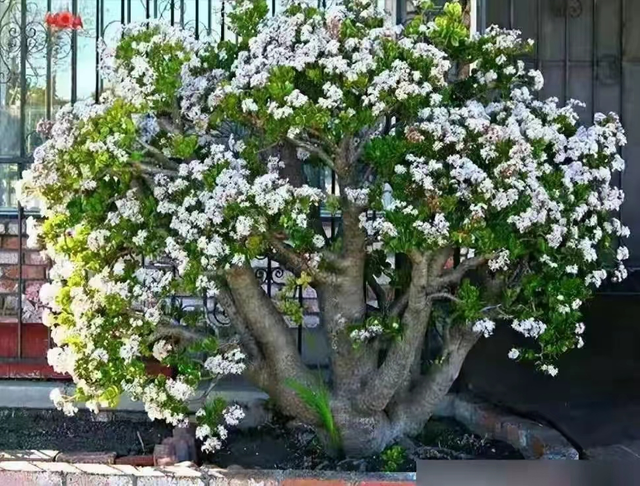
pixel 40 72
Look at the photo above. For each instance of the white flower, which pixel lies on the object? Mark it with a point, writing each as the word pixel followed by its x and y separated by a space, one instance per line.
pixel 33 230
pixel 514 353
pixel 233 415
pixel 212 444
pixel 500 261
pixel 622 253
pixel 97 239
pixel 549 369
pixel 179 389
pixel 130 348
pixel 140 237
pixel 228 363
pixel 161 350
pixel 484 327
pixel 318 241
pixel 529 327
pixel 249 106
pixel 203 431
pixel 571 269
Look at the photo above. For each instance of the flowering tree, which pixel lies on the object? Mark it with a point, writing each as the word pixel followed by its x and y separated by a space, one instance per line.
pixel 199 157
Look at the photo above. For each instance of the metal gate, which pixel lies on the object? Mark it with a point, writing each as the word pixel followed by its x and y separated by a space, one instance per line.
pixel 38 75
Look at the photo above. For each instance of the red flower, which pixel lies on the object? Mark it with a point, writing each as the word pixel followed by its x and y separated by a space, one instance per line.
pixel 63 20
pixel 77 22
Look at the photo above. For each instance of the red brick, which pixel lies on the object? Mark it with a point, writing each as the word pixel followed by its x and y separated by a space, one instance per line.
pixel 8 286
pixel 140 461
pixel 8 258
pixel 13 242
pixel 35 258
pixel 386 483
pixel 32 272
pixel 32 290
pixel 87 457
pixel 313 482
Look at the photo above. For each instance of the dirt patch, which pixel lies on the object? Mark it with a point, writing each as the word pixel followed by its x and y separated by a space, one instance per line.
pixel 85 432
pixel 274 446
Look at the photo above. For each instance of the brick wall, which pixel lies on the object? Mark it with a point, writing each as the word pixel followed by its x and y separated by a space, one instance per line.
pixel 23 345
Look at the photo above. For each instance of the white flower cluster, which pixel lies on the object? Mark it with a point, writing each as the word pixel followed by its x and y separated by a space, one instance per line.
pixel 529 327
pixel 484 326
pixel 201 218
pixel 229 363
pixel 366 333
pixel 212 437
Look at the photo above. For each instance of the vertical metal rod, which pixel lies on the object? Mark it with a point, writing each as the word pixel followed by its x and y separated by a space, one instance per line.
pixel 182 11
pixel 97 85
pixel 565 91
pixel 273 7
pixel 128 10
pixel 222 26
pixel 623 26
pixel 209 20
pixel 49 88
pixel 122 12
pixel 147 10
pixel 400 11
pixel 101 33
pixel 197 19
pixel 74 56
pixel 23 153
pixel 269 275
pixel 172 6
pixel 512 14
pixel 538 34
pixel 594 58
pixel 155 9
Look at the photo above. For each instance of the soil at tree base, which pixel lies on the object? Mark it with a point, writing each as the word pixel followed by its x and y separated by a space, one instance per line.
pixel 50 429
pixel 276 446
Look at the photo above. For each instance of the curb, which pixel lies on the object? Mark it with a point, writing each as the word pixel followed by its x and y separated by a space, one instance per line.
pixel 534 440
pixel 36 473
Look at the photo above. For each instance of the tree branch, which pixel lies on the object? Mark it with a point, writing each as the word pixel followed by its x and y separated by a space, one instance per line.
pixel 380 293
pixel 265 323
pixel 248 342
pixel 455 275
pixel 397 365
pixel 177 331
pixel 312 149
pixel 411 413
pixel 161 158
pixel 153 171
pixel 292 261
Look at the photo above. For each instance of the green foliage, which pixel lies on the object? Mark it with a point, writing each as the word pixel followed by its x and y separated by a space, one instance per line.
pixel 318 399
pixel 393 458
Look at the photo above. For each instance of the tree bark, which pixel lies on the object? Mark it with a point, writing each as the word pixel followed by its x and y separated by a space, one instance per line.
pixel 412 413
